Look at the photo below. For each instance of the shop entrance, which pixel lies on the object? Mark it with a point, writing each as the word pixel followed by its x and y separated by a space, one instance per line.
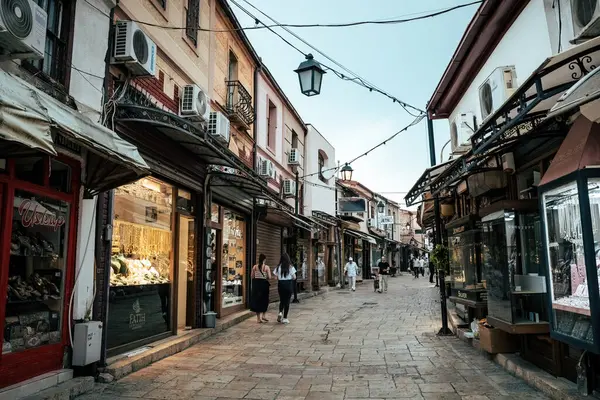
pixel 186 261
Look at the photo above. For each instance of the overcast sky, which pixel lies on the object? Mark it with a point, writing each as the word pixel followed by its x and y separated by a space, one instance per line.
pixel 406 60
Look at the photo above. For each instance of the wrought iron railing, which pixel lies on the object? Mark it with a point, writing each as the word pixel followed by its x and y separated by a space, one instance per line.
pixel 239 104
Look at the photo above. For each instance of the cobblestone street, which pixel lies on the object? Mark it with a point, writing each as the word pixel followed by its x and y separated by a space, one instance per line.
pixel 342 345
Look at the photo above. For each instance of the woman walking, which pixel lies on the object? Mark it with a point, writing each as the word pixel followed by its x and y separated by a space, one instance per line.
pixel 260 289
pixel 285 273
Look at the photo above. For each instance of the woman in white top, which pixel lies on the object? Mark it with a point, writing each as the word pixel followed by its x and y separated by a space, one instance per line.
pixel 285 273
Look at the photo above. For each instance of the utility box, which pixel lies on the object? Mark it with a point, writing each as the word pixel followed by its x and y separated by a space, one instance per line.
pixel 87 343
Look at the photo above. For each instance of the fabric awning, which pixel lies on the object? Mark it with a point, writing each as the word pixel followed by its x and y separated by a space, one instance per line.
pixel 28 116
pixel 580 149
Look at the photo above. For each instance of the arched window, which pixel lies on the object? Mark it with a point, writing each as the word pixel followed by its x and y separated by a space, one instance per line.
pixel 322 169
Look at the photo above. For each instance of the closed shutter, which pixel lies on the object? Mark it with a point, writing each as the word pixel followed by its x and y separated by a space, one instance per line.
pixel 269 243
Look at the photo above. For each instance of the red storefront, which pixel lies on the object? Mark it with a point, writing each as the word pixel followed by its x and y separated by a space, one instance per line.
pixel 53 161
pixel 39 199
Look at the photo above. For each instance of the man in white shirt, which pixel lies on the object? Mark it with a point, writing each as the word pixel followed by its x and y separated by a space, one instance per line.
pixel 350 271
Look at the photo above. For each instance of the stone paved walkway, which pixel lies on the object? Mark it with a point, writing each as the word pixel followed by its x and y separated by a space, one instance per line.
pixel 342 345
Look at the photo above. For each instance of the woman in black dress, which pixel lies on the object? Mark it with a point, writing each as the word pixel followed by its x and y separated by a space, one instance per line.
pixel 260 289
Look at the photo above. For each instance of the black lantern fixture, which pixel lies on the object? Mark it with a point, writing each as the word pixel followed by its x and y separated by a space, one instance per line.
pixel 381 207
pixel 310 73
pixel 347 172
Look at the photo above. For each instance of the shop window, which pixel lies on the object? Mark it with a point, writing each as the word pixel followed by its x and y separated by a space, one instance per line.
pixel 31 169
pixel 60 176
pixel 233 259
pixel 184 201
pixel 566 256
pixel 215 213
pixel 141 268
pixel 36 272
pixel 56 61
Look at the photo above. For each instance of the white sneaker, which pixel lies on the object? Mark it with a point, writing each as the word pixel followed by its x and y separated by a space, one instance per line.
pixel 285 321
pixel 279 317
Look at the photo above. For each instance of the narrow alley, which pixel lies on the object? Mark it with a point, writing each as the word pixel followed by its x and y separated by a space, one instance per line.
pixel 342 345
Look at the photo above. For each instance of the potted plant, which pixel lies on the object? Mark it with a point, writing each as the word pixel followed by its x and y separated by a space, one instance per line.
pixel 440 257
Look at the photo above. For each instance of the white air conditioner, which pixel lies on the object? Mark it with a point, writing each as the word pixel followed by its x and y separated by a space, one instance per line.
pixel 267 169
pixel 134 49
pixel 585 15
pixel 289 187
pixel 508 163
pixel 461 129
pixel 218 127
pixel 23 27
pixel 294 157
pixel 496 89
pixel 194 104
pixel 372 223
pixel 259 163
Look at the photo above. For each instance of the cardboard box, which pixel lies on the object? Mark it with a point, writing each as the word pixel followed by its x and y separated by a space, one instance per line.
pixel 496 341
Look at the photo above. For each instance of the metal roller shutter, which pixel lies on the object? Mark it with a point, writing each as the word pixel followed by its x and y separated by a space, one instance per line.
pixel 269 244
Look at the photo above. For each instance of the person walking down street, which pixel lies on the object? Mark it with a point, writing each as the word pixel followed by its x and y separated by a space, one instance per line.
pixel 423 261
pixel 384 271
pixel 286 274
pixel 431 271
pixel 259 302
pixel 350 270
pixel 416 267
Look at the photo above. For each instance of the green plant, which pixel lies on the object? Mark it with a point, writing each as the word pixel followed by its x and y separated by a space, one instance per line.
pixel 440 257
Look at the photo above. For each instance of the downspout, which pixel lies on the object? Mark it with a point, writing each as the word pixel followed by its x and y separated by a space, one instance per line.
pixel 104 232
pixel 255 123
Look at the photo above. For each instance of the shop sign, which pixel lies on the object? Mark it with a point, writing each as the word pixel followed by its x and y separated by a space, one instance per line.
pixel 386 220
pixel 33 213
pixel 458 230
pixel 472 295
pixel 61 141
pixel 137 319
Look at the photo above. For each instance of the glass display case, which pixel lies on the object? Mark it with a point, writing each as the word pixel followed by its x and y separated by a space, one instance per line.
pixel 511 266
pixel 466 286
pixel 571 211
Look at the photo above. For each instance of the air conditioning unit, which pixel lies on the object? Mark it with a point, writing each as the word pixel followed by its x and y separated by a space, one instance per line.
pixel 259 163
pixel 23 27
pixel 134 49
pixel 508 163
pixel 586 19
pixel 294 157
pixel 194 104
pixel 289 187
pixel 218 127
pixel 267 169
pixel 461 129
pixel 372 223
pixel 496 89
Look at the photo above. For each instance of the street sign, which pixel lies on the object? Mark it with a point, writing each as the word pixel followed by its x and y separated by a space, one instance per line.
pixel 387 220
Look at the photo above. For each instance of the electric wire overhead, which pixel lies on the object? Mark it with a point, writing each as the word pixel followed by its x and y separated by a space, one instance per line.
pixel 259 25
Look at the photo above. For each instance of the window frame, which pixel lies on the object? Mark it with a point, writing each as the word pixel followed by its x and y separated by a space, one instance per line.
pixel 63 37
pixel 321 163
pixel 271 125
pixel 191 32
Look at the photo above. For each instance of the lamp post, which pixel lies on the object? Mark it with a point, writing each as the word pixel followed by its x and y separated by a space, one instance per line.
pixel 310 74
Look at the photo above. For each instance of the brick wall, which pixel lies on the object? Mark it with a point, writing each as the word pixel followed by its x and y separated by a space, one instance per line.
pixel 155 88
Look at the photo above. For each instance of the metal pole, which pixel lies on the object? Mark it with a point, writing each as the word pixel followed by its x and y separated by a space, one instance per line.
pixel 438 235
pixel 296 207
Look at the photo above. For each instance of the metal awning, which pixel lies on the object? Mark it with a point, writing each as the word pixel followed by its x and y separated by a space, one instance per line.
pixel 423 183
pixel 526 109
pixel 325 218
pixel 578 96
pixel 361 235
pixel 29 115
pixel 316 222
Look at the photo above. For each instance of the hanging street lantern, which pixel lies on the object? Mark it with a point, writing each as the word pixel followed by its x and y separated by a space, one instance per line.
pixel 310 73
pixel 347 172
pixel 381 207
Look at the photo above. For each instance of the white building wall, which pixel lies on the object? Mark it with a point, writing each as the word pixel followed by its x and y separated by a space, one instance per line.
pixel 90 42
pixel 525 45
pixel 318 195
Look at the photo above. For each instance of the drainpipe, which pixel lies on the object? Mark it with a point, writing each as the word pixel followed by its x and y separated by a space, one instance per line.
pixel 255 123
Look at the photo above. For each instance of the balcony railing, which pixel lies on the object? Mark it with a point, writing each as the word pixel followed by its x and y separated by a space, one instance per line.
pixel 239 105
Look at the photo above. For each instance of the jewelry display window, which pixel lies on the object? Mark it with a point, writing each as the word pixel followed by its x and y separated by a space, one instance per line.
pixel 233 259
pixel 571 214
